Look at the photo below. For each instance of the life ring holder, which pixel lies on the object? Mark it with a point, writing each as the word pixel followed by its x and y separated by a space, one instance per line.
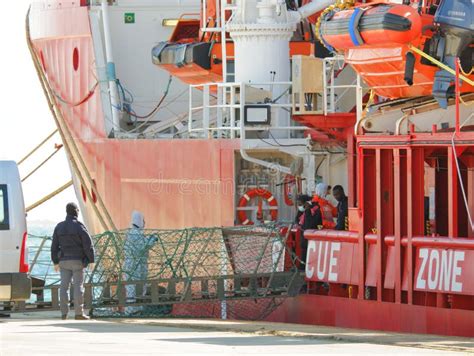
pixel 288 184
pixel 254 193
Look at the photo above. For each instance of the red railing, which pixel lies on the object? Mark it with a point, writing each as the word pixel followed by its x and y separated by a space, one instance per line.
pixel 441 272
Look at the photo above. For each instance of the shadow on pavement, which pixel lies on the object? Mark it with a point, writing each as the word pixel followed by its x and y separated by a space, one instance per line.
pixel 251 341
pixel 107 327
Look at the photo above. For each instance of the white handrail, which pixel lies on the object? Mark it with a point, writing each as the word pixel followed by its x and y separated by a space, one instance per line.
pixel 238 84
pixel 223 41
pixel 231 101
pixel 329 90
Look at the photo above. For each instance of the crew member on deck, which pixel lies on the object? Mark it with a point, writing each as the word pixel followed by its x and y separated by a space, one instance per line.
pixel 308 217
pixel 328 211
pixel 342 207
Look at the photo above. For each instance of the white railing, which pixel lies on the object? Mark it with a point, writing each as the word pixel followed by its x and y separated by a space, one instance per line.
pixel 226 118
pixel 224 14
pixel 221 112
pixel 330 97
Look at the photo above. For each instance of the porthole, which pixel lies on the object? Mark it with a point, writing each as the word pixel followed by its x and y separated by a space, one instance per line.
pixel 75 58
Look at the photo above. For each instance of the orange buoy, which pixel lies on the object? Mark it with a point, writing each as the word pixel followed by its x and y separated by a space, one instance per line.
pixel 253 193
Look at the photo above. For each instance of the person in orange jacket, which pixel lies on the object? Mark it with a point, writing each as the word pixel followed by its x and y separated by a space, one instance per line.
pixel 328 211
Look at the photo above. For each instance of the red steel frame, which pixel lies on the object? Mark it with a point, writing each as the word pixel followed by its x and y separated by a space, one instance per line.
pixel 388 227
pixel 387 213
pixel 408 207
pixel 387 240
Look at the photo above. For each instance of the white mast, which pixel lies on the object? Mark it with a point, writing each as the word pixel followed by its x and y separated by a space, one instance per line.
pixel 111 76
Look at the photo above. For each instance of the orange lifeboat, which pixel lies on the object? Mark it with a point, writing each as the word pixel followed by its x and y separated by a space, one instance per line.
pixel 372 26
pixel 375 40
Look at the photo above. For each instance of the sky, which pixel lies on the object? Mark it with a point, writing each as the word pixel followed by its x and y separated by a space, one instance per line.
pixel 26 120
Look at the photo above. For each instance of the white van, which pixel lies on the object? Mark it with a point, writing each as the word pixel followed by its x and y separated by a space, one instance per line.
pixel 15 284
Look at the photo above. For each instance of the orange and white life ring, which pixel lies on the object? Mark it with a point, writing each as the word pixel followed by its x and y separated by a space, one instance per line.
pixel 253 193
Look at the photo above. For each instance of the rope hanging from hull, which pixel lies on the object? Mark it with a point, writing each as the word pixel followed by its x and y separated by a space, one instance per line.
pixel 74 155
pixel 49 196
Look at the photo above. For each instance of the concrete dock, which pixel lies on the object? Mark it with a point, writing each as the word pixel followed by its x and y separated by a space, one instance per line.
pixel 47 334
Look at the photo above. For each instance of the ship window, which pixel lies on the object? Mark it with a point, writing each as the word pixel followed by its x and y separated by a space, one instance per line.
pixel 169 22
pixel 4 215
pixel 75 58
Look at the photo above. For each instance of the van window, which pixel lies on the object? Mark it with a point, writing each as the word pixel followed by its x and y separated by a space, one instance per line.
pixel 4 217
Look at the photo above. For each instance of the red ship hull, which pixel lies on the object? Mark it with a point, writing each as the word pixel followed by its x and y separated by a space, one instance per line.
pixel 373 315
pixel 184 183
pixel 175 183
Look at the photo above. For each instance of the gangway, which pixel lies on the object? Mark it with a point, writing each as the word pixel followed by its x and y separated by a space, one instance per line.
pixel 223 272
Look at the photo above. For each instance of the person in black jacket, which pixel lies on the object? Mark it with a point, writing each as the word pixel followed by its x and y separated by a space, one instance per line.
pixel 342 206
pixel 71 252
pixel 308 217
